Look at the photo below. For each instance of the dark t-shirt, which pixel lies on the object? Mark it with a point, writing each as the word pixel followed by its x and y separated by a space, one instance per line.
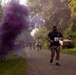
pixel 55 36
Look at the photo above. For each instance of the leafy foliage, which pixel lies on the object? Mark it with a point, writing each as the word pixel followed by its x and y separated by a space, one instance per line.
pixel 42 35
pixel 72 6
pixel 1 11
pixel 56 12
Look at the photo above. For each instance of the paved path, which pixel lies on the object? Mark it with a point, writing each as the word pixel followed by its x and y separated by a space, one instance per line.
pixel 39 63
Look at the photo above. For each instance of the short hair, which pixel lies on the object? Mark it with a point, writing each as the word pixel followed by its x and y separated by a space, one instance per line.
pixel 54 27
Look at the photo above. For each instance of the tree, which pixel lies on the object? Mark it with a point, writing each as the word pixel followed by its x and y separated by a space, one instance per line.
pixel 1 11
pixel 72 6
pixel 42 35
pixel 54 12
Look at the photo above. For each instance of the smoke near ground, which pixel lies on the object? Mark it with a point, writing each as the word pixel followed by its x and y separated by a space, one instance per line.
pixel 14 25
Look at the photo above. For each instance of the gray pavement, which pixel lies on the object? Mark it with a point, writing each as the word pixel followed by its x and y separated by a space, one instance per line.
pixel 38 62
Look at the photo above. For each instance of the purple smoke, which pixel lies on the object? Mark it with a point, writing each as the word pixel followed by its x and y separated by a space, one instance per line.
pixel 36 21
pixel 15 19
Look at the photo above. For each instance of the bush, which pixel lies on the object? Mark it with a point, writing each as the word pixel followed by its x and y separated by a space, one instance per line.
pixel 74 42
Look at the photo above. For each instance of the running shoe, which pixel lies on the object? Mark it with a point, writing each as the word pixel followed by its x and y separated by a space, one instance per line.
pixel 57 64
pixel 51 60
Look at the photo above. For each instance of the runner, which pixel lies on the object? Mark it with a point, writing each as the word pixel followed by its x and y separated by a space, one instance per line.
pixel 53 38
pixel 39 45
pixel 30 45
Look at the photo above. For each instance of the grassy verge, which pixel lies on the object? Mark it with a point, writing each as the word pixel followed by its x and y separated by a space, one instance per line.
pixel 69 51
pixel 13 66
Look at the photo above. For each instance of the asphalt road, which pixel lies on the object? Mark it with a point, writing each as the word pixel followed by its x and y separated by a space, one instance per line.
pixel 38 62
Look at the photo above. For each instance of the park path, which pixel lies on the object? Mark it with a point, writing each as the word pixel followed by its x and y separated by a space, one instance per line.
pixel 38 62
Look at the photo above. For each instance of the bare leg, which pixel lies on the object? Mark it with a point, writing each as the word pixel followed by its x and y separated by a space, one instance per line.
pixel 57 57
pixel 52 55
pixel 57 54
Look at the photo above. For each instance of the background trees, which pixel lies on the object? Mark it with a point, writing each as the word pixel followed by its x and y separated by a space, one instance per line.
pixel 1 11
pixel 61 13
pixel 46 13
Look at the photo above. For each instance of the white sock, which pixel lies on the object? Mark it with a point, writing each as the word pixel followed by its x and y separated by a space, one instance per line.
pixel 57 61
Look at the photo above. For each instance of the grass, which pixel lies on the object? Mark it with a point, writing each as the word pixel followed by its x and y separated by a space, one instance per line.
pixel 69 51
pixel 13 66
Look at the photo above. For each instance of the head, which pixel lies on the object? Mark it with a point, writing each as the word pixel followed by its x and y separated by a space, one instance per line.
pixel 54 28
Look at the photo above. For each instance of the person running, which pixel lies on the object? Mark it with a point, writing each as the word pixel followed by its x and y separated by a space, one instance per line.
pixel 30 45
pixel 54 37
pixel 34 45
pixel 39 45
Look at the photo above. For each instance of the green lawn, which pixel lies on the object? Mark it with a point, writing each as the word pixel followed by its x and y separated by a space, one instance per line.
pixel 69 51
pixel 13 66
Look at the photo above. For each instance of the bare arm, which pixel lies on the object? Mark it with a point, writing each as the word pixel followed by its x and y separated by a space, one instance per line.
pixel 48 38
pixel 61 38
